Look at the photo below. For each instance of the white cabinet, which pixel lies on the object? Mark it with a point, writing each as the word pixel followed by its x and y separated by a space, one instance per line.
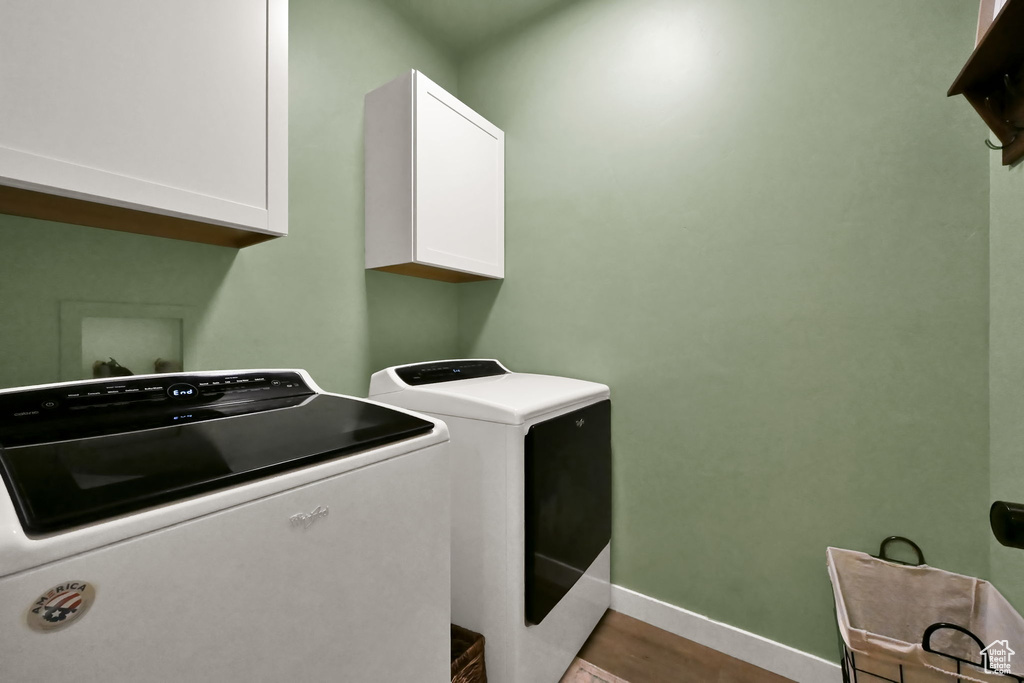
pixel 435 184
pixel 168 118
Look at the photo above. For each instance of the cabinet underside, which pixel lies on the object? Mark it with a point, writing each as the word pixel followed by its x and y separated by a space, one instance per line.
pixel 431 272
pixel 31 204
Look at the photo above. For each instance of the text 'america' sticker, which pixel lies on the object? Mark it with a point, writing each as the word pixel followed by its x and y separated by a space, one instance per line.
pixel 61 606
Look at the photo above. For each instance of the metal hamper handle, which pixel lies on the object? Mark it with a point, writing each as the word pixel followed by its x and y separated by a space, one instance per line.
pixel 892 539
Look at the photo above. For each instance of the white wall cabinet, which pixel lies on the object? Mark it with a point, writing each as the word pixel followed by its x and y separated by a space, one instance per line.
pixel 435 184
pixel 167 118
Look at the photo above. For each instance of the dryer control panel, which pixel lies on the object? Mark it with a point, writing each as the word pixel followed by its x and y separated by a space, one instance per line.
pixel 448 371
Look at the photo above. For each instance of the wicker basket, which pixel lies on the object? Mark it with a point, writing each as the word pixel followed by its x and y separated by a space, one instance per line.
pixel 467 656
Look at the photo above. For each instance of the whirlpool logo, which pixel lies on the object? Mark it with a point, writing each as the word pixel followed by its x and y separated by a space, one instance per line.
pixel 308 519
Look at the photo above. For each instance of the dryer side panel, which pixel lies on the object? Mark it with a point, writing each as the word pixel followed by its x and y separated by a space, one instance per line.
pixel 480 520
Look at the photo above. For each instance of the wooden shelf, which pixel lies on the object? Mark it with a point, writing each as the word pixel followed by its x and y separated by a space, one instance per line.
pixel 992 80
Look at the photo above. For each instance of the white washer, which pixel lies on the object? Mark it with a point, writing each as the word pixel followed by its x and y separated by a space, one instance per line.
pixel 531 506
pixel 228 526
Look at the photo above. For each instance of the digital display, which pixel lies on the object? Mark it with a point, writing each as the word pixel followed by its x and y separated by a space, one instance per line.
pixel 182 391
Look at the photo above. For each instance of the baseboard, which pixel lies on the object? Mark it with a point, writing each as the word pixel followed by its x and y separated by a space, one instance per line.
pixel 743 645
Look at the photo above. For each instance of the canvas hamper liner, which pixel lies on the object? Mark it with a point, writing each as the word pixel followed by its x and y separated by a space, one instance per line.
pixel 884 610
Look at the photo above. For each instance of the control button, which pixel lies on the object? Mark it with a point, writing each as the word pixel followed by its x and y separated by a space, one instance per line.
pixel 50 404
pixel 182 391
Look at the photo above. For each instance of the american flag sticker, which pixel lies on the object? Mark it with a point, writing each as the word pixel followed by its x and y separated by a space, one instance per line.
pixel 61 606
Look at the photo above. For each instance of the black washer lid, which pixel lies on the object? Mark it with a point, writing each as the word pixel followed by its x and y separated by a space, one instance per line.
pixel 181 450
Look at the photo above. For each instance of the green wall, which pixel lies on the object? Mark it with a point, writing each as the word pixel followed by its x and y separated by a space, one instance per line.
pixel 302 301
pixel 765 227
pixel 1007 363
pixel 760 222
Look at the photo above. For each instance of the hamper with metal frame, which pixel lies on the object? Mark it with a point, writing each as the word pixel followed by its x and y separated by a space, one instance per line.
pixel 910 623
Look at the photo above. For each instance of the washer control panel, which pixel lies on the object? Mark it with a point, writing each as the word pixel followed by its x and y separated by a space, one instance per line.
pixel 151 391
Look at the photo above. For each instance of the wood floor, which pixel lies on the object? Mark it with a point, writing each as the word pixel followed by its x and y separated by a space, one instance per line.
pixel 641 653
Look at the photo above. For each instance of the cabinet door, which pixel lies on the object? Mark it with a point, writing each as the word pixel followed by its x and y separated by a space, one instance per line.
pixel 460 185
pixel 159 106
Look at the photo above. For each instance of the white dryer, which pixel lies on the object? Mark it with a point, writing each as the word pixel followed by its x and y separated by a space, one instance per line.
pixel 531 506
